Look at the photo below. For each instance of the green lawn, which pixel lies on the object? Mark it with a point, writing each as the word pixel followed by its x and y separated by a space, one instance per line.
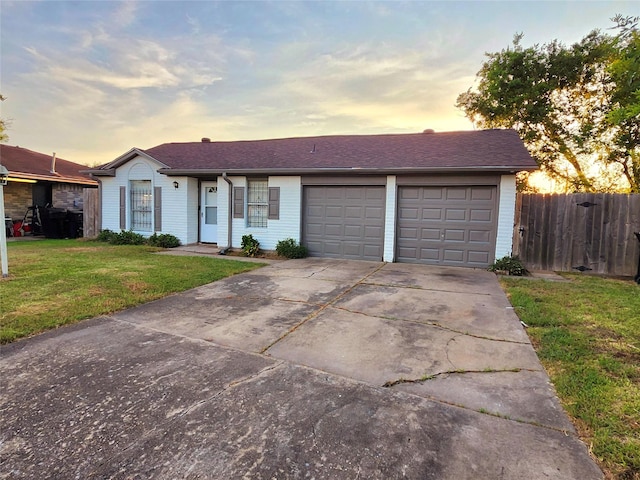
pixel 587 335
pixel 57 282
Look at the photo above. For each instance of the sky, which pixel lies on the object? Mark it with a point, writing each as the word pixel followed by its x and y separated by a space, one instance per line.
pixel 90 80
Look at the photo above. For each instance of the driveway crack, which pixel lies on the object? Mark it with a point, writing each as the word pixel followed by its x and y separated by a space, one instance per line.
pixel 425 378
pixel 435 324
pixel 321 309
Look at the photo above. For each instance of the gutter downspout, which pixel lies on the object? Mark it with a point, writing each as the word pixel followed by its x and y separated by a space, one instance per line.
pixel 229 214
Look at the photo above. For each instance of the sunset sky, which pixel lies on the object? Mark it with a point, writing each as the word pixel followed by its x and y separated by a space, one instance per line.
pixel 92 79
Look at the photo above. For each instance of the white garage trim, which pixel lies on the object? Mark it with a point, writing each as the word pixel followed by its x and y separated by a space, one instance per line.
pixel 506 215
pixel 390 220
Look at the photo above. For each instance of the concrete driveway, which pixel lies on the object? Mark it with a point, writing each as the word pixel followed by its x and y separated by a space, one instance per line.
pixel 303 369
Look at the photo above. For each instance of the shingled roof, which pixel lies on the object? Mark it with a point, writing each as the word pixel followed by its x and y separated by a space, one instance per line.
pixel 483 150
pixel 26 164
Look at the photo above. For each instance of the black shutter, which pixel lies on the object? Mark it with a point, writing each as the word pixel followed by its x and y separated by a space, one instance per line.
pixel 274 203
pixel 123 208
pixel 157 209
pixel 238 202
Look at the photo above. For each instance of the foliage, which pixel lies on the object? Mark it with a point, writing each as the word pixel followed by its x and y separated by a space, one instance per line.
pixel 587 335
pixel 511 265
pixel 3 124
pixel 560 100
pixel 105 235
pixel 127 237
pixel 623 113
pixel 289 248
pixel 163 240
pixel 250 246
pixel 57 282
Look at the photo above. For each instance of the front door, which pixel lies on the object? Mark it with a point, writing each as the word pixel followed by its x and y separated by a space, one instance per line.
pixel 209 212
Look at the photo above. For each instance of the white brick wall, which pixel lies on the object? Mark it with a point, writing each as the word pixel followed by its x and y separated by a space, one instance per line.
pixel 287 226
pixel 506 214
pixel 179 206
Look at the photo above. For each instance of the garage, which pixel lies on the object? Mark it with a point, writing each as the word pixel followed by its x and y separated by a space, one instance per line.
pixel 344 221
pixel 447 225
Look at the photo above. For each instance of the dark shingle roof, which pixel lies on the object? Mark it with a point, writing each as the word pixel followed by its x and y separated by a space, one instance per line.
pixel 25 163
pixel 498 150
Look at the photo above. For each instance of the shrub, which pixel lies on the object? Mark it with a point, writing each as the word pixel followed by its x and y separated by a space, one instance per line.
pixel 511 265
pixel 127 237
pixel 164 240
pixel 105 235
pixel 250 246
pixel 289 248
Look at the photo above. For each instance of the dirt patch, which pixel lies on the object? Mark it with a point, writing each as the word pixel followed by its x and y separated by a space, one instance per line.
pixel 267 254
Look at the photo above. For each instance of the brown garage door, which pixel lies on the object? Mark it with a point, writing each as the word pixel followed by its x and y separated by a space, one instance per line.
pixel 344 221
pixel 447 225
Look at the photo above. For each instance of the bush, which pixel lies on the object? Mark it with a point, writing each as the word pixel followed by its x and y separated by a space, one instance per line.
pixel 511 265
pixel 289 248
pixel 250 246
pixel 127 237
pixel 164 240
pixel 105 235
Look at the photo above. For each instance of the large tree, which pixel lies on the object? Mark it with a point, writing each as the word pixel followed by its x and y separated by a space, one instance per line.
pixel 560 99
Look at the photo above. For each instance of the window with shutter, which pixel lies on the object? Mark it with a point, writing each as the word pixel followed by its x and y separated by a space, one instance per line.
pixel 257 203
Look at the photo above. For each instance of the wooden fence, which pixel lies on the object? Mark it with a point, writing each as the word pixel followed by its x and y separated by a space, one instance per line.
pixel 582 231
pixel 91 212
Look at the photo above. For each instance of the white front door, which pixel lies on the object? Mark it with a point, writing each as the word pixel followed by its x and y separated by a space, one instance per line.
pixel 209 212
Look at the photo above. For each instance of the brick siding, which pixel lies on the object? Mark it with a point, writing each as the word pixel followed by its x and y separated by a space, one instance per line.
pixel 67 196
pixel 17 198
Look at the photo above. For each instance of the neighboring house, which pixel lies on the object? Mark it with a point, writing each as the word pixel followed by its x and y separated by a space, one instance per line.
pixel 43 180
pixel 436 198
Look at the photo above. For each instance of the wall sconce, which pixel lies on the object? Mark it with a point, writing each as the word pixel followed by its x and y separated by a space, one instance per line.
pixel 176 185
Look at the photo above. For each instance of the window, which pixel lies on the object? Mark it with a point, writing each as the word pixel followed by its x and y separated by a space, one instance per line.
pixel 257 203
pixel 141 205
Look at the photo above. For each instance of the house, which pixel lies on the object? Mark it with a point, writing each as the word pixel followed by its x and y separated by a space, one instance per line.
pixel 43 180
pixel 438 198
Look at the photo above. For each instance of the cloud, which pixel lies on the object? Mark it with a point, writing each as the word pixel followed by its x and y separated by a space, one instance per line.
pixel 125 13
pixel 379 86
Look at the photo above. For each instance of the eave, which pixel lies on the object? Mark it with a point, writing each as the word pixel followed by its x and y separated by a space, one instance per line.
pixel 55 178
pixel 209 172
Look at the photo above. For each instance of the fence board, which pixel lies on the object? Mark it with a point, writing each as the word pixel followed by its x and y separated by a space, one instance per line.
pixel 90 212
pixel 556 232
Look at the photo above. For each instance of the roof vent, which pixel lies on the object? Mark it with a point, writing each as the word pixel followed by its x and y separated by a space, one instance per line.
pixel 429 130
pixel 206 140
pixel 53 163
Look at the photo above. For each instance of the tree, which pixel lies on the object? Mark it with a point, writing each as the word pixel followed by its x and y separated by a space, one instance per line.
pixel 560 100
pixel 3 125
pixel 623 115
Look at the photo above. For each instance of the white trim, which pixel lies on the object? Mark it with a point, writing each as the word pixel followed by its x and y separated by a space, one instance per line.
pixel 389 249
pixel 506 215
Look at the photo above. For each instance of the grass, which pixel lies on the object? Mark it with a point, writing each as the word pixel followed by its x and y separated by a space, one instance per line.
pixel 587 335
pixel 57 282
